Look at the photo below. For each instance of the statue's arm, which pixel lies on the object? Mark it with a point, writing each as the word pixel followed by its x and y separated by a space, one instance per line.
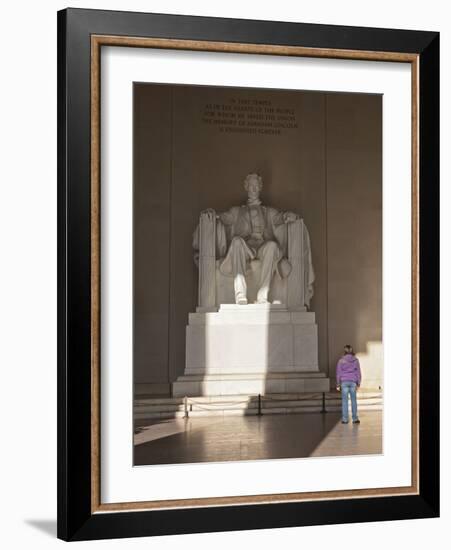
pixel 289 217
pixel 280 217
pixel 228 217
pixel 277 217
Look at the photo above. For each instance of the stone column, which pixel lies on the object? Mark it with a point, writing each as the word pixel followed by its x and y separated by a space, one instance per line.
pixel 295 283
pixel 207 261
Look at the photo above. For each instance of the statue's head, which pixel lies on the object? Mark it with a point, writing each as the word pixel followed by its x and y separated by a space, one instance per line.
pixel 253 184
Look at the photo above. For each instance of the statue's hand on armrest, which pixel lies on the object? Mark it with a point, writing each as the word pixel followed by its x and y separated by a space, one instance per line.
pixel 290 217
pixel 210 213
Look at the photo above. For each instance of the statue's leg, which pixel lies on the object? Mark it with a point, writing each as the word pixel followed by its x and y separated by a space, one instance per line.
pixel 269 254
pixel 239 255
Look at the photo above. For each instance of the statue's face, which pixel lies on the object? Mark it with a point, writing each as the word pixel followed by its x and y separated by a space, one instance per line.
pixel 253 188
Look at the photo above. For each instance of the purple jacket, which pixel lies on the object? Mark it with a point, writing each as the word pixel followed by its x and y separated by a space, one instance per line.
pixel 348 369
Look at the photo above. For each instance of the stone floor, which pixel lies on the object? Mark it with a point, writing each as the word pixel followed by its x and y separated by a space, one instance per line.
pixel 219 439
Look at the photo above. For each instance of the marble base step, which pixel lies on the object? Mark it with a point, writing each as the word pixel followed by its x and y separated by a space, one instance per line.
pixel 252 339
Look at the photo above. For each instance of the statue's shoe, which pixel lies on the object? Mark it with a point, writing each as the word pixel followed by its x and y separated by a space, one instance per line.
pixel 242 301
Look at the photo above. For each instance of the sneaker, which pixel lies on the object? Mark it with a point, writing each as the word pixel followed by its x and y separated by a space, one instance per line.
pixel 344 421
pixel 356 421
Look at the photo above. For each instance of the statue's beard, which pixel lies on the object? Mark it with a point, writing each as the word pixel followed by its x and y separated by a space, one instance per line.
pixel 255 201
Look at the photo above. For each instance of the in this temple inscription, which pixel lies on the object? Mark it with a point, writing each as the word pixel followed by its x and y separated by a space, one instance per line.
pixel 276 243
pixel 249 116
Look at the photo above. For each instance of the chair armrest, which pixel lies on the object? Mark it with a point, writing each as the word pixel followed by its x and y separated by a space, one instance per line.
pixel 207 259
pixel 295 289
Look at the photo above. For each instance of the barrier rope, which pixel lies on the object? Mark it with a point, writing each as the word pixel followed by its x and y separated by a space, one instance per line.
pixel 257 401
pixel 204 408
pixel 203 403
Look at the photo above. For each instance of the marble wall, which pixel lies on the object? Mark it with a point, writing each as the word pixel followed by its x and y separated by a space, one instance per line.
pixel 319 155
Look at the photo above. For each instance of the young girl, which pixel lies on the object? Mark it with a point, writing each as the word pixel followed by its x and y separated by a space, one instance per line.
pixel 349 378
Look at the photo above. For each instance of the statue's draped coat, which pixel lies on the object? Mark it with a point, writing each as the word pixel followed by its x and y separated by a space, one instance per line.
pixel 236 222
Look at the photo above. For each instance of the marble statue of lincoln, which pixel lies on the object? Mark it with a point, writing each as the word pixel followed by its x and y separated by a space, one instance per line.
pixel 251 231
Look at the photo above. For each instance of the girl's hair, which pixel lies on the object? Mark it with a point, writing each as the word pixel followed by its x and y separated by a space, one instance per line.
pixel 349 349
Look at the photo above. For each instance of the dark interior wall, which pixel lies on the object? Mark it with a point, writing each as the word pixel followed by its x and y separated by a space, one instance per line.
pixel 151 232
pixel 183 165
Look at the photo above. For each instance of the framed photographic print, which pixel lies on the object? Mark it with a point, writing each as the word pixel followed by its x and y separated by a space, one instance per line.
pixel 248 274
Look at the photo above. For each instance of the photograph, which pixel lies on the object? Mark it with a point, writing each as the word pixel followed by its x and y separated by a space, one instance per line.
pixel 257 274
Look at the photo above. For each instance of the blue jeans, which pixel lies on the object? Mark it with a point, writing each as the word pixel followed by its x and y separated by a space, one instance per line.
pixel 348 388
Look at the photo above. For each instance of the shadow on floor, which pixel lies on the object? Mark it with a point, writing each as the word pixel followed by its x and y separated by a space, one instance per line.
pixel 230 438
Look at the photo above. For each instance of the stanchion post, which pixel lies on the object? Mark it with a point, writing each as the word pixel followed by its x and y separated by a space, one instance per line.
pixel 185 399
pixel 323 410
pixel 259 405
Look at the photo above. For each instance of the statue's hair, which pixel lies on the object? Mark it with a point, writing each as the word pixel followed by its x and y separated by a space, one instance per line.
pixel 253 175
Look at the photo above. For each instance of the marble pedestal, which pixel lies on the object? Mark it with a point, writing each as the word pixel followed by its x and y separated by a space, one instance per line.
pixel 251 349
